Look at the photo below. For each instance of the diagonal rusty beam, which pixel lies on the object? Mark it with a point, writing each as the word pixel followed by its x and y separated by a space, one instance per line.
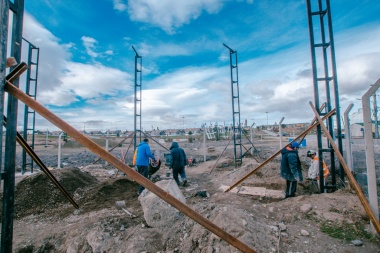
pixel 15 73
pixel 95 148
pixel 278 152
pixel 150 136
pixel 220 155
pixel 114 147
pixel 350 177
pixel 43 167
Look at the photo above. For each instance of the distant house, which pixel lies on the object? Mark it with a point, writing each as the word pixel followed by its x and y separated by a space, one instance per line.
pixel 96 132
pixel 357 130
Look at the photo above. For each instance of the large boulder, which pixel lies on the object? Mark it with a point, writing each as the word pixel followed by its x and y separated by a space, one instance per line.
pixel 157 212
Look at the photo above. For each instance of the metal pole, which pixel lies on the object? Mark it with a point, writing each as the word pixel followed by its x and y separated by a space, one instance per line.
pixel 47 136
pixel 348 138
pixel 280 131
pixel 59 150
pixel 106 163
pixel 204 143
pixel 252 133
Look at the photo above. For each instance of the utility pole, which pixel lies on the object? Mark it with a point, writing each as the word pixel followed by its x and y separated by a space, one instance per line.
pixel 375 116
pixel 183 117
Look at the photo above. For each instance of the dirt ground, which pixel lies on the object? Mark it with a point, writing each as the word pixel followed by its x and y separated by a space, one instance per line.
pixel 45 221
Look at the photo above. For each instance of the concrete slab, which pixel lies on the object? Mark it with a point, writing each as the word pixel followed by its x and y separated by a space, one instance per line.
pixel 256 191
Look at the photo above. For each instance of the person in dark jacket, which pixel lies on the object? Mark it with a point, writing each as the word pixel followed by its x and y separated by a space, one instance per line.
pixel 178 163
pixel 142 160
pixel 291 169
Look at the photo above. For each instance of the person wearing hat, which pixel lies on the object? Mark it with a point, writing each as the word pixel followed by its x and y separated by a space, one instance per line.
pixel 313 172
pixel 178 163
pixel 291 169
pixel 142 160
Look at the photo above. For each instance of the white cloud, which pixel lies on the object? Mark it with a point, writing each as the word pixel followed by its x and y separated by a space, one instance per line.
pixel 119 5
pixel 170 14
pixel 89 43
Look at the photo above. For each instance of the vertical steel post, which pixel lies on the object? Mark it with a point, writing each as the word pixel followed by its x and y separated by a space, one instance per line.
pixel 59 150
pixel 4 14
pixel 31 90
pixel 138 86
pixel 17 7
pixel 324 12
pixel 237 127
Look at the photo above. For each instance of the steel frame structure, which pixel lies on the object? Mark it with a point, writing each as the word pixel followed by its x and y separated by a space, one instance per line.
pixel 31 90
pixel 319 12
pixel 237 131
pixel 137 99
pixel 16 7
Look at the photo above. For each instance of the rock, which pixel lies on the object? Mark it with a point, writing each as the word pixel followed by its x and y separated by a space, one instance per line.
pixel 157 212
pixel 282 226
pixel 304 232
pixel 274 228
pixel 271 209
pixel 357 243
pixel 305 208
pixel 203 193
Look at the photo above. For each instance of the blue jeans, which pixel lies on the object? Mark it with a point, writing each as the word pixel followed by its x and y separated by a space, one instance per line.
pixel 181 172
pixel 143 170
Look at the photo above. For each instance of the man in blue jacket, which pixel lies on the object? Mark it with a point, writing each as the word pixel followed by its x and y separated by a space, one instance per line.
pixel 142 160
pixel 291 169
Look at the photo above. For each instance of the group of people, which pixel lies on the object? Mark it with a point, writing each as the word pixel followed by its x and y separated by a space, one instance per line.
pixel 291 169
pixel 144 157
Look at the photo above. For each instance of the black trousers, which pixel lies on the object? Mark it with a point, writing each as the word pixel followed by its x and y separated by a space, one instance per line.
pixel 291 188
pixel 143 170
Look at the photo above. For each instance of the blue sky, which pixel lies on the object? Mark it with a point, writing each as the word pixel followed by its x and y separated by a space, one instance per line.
pixel 86 67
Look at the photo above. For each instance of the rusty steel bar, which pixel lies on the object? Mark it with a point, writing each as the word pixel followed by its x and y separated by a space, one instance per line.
pixel 278 152
pixel 314 120
pixel 125 155
pixel 43 167
pixel 220 155
pixel 95 148
pixel 350 177
pixel 114 147
pixel 146 134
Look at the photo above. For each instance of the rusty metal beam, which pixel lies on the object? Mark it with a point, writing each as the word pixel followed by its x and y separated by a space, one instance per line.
pixel 95 148
pixel 350 177
pixel 220 155
pixel 146 134
pixel 278 152
pixel 114 147
pixel 43 167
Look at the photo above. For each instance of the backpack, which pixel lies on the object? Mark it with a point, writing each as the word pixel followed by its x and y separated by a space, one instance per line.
pixel 134 157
